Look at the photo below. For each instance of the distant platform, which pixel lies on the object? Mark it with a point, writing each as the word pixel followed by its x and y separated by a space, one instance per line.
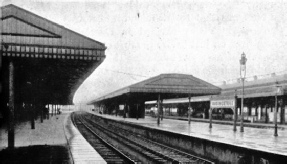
pixel 261 139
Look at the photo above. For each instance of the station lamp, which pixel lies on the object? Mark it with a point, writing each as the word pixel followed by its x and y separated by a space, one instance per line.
pixel 242 62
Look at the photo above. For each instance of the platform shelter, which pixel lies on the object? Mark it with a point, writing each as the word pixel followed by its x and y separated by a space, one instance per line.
pixel 261 97
pixel 42 63
pixel 160 87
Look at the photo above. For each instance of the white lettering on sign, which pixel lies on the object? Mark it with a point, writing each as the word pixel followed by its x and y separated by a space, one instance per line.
pixel 222 103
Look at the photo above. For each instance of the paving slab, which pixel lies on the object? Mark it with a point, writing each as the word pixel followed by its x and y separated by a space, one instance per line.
pixel 50 132
pixel 44 144
pixel 57 138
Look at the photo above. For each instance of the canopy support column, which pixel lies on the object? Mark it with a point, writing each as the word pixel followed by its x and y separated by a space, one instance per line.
pixel 275 117
pixel 125 106
pixel 210 118
pixel 189 109
pixel 11 130
pixel 32 119
pixel 158 109
pixel 137 111
pixel 48 111
pixel 41 112
pixel 161 109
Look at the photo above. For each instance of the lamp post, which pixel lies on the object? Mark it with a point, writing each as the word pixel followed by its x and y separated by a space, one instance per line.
pixel 242 76
pixel 278 91
pixel 235 111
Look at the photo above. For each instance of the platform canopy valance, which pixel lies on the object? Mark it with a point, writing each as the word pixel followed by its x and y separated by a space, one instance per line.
pixel 36 37
pixel 50 52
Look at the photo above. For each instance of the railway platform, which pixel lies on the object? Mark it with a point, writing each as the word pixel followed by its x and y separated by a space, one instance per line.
pixel 255 138
pixel 56 140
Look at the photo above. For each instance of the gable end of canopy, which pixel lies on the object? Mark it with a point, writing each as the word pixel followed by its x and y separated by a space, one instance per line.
pixel 175 83
pixel 24 34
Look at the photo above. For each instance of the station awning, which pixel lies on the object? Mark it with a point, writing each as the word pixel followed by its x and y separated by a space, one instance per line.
pixel 168 85
pixel 182 100
pixel 50 60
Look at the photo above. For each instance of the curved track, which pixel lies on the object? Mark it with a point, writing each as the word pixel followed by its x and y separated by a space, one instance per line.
pixel 110 154
pixel 152 151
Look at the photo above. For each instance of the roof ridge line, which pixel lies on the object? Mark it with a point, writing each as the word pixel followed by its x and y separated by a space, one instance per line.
pixel 56 24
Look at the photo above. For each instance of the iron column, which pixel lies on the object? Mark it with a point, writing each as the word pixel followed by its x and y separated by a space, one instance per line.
pixel 189 109
pixel 11 132
pixel 158 109
pixel 235 111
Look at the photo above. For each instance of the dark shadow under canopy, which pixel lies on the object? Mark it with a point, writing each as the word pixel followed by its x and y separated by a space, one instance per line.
pixel 50 61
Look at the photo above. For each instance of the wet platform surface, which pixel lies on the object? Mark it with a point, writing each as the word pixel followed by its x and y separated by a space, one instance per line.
pixel 46 143
pixel 252 138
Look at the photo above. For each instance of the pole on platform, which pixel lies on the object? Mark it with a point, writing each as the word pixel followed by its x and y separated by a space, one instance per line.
pixel 41 110
pixel 242 62
pixel 278 90
pixel 161 109
pixel 48 114
pixel 275 117
pixel 125 106
pixel 210 118
pixel 52 110
pixel 242 108
pixel 235 111
pixel 137 111
pixel 32 106
pixel 11 130
pixel 158 109
pixel 189 109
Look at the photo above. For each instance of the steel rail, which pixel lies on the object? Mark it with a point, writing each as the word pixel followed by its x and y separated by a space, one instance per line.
pixel 167 157
pixel 122 155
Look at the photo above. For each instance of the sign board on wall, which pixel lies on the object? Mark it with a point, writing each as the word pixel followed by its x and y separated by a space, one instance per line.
pixel 222 103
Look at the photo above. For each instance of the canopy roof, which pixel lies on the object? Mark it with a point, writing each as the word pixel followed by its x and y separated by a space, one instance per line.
pixel 168 85
pixel 50 60
pixel 182 100
pixel 257 88
pixel 20 26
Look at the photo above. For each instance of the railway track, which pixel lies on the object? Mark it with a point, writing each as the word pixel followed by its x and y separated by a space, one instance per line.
pixel 109 153
pixel 152 151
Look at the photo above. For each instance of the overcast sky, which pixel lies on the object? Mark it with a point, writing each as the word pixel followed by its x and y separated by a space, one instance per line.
pixel 148 38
